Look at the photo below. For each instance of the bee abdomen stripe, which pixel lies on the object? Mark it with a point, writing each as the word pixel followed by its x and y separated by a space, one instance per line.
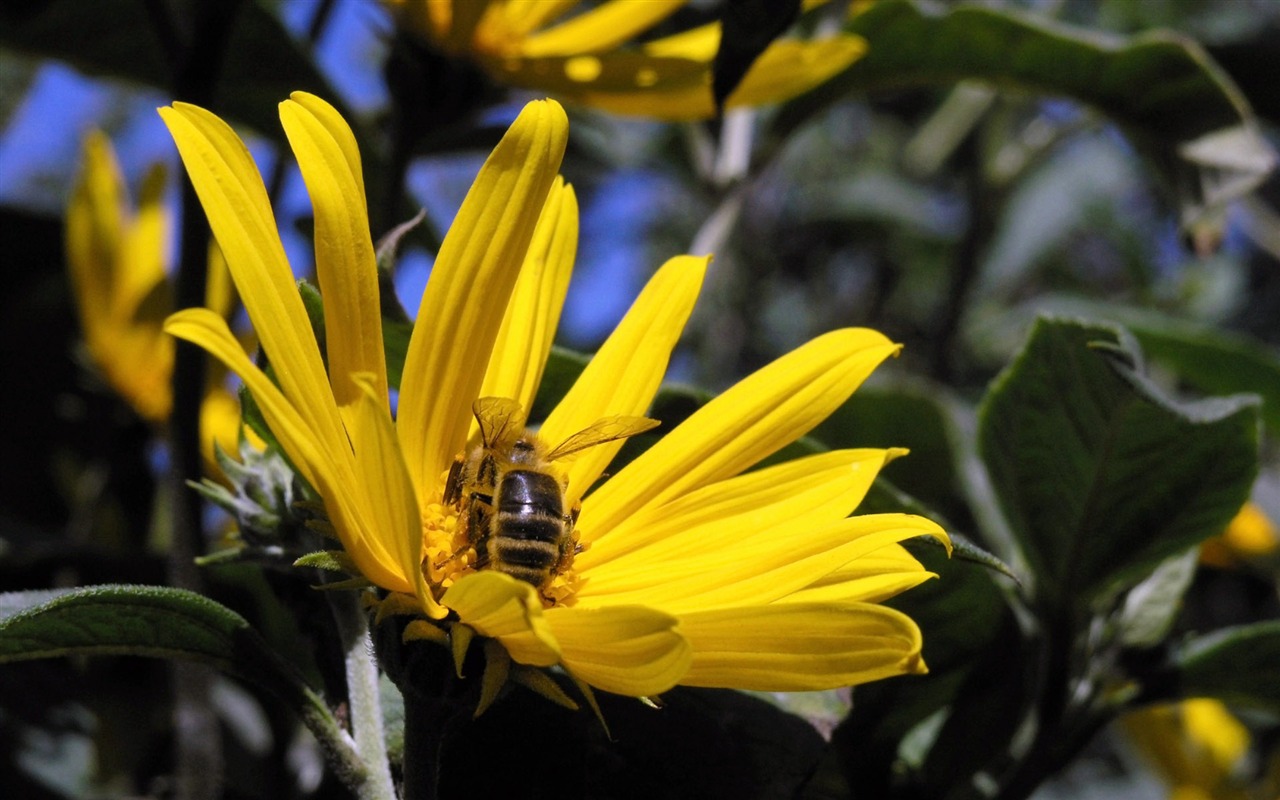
pixel 529 524
pixel 511 552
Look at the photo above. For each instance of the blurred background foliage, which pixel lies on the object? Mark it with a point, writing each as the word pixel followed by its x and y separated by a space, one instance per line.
pixel 982 165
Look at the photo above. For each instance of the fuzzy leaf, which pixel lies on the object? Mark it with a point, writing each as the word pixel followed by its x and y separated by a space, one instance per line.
pixel 154 621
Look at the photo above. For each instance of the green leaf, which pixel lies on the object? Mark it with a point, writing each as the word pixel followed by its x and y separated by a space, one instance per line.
pixel 154 621
pixel 1150 608
pixel 913 416
pixel 1214 360
pixel 563 368
pixel 1207 357
pixel 1100 477
pixel 1160 86
pixel 901 731
pixel 395 343
pixel 260 66
pixel 748 27
pixel 1239 665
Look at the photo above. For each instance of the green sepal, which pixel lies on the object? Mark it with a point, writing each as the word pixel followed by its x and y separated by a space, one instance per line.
pixel 497 667
pixel 330 561
pixel 537 680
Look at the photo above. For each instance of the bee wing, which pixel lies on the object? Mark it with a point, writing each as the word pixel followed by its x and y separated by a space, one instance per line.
pixel 602 430
pixel 500 418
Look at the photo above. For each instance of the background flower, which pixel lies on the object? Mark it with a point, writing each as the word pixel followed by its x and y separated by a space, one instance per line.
pixel 116 256
pixel 587 55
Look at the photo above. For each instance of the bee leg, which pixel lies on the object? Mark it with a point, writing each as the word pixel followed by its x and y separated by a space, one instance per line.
pixel 479 512
pixel 569 546
pixel 453 484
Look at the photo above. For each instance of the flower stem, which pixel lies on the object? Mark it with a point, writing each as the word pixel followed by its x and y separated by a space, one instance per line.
pixel 363 700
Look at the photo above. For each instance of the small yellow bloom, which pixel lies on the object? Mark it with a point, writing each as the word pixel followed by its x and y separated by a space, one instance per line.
pixel 116 257
pixel 586 59
pixel 695 571
pixel 1251 534
pixel 1195 745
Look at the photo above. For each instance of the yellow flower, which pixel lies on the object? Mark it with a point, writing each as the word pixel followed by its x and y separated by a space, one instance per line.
pixel 1195 745
pixel 1250 535
pixel 697 572
pixel 116 259
pixel 585 58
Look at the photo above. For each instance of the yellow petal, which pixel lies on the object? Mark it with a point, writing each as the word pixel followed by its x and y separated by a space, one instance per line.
pixel 385 480
pixel 696 44
pixel 454 23
pixel 518 18
pixel 760 567
pixel 503 608
pixel 529 325
pixel 809 491
pixel 623 82
pixel 788 68
pixel 874 587
pixel 470 285
pixel 330 471
pixel 800 647
pixel 231 191
pixel 219 422
pixel 345 264
pixel 143 249
pixel 219 291
pixel 761 414
pixel 97 217
pixel 601 28
pixel 630 650
pixel 624 376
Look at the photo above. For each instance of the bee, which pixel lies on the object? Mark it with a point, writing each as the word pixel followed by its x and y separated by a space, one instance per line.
pixel 511 499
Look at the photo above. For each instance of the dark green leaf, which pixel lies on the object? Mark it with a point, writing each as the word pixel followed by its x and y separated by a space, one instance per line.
pixel 1215 361
pixel 966 624
pixel 909 416
pixel 123 39
pixel 1207 357
pixel 748 26
pixel 563 368
pixel 1100 477
pixel 154 621
pixel 1161 86
pixel 1240 665
pixel 395 341
pixel 314 304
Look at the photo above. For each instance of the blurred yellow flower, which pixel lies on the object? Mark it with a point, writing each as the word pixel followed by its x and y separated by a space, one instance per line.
pixel 587 57
pixel 697 572
pixel 1251 534
pixel 116 257
pixel 1195 746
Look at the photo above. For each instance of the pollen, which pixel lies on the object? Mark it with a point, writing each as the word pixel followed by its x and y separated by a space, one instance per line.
pixel 447 555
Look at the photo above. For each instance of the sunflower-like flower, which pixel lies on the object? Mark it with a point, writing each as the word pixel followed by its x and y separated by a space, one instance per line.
pixel 116 257
pixel 1196 745
pixel 587 58
pixel 693 571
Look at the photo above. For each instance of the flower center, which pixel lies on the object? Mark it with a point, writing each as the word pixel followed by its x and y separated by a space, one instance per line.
pixel 450 553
